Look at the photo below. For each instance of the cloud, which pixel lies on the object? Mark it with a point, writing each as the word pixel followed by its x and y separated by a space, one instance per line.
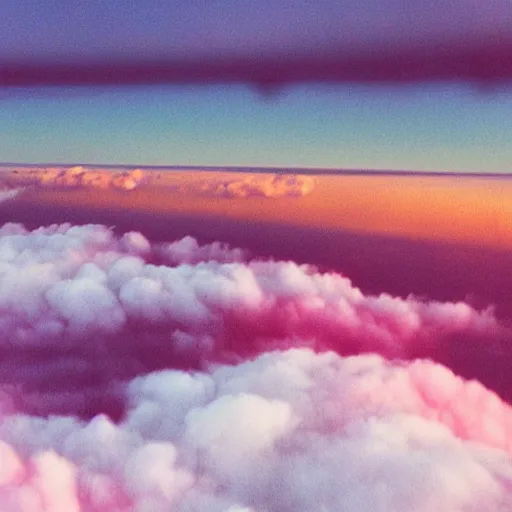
pixel 259 186
pixel 415 48
pixel 78 177
pixel 114 307
pixel 289 430
pixel 190 285
pixel 220 184
pixel 141 376
pixel 9 193
pixel 187 250
pixel 237 184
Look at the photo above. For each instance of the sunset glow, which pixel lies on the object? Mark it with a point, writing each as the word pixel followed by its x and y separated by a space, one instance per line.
pixel 256 256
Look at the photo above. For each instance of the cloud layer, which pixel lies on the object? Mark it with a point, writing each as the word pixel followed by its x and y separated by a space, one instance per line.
pixel 290 431
pixel 232 384
pixel 78 177
pixel 82 272
pixel 199 183
pixel 259 186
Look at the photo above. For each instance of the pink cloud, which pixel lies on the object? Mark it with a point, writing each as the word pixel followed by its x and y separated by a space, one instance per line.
pixel 328 400
pixel 83 272
pixel 286 431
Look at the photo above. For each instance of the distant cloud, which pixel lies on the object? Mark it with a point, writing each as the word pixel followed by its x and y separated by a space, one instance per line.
pixel 218 184
pixel 79 177
pixel 9 193
pixel 188 251
pixel 259 186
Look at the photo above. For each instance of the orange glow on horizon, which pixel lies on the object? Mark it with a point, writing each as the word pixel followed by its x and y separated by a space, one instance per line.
pixel 476 211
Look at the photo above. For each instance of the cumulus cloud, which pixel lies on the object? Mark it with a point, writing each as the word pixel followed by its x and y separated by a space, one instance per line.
pixel 259 186
pixel 232 185
pixel 188 250
pixel 83 272
pixel 140 376
pixel 198 183
pixel 79 177
pixel 287 431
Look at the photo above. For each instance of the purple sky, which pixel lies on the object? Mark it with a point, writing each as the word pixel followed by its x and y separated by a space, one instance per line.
pixel 166 27
pixel 351 37
pixel 448 126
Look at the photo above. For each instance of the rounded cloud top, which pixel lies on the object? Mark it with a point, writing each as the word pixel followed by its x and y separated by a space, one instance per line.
pixel 183 376
pixel 196 183
pixel 79 177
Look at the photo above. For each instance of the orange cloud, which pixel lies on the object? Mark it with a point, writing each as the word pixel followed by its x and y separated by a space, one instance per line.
pixel 81 177
pixel 265 185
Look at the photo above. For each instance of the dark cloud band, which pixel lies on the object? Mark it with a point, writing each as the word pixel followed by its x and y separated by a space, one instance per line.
pixel 483 63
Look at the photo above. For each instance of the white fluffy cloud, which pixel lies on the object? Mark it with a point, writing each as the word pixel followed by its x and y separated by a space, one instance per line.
pixel 290 430
pixel 93 323
pixel 86 278
pixel 187 250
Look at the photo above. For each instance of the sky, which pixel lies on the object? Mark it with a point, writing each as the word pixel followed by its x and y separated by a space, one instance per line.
pixel 348 350
pixel 432 121
pixel 171 28
pixel 414 128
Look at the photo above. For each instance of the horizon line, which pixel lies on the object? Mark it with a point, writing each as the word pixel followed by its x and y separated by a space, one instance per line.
pixel 278 169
